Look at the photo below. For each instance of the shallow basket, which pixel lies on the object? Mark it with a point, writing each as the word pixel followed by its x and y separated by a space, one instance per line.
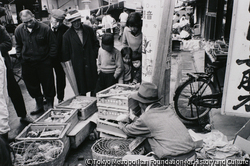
pixel 113 149
pixel 22 147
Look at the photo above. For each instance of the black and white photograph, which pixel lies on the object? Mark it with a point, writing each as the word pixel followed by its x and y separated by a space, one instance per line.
pixel 124 82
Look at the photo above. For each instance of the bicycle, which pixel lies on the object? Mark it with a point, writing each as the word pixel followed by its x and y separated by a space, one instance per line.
pixel 198 94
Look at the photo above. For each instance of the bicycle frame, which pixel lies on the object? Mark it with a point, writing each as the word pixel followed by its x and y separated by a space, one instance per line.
pixel 212 100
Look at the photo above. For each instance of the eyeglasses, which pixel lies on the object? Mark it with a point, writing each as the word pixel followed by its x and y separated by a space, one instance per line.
pixel 28 22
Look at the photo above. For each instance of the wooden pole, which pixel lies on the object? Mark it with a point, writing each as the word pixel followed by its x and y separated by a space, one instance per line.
pixel 161 72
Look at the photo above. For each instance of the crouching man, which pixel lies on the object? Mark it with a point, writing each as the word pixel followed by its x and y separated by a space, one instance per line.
pixel 167 136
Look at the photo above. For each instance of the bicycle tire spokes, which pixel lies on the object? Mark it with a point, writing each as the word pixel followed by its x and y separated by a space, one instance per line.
pixel 189 95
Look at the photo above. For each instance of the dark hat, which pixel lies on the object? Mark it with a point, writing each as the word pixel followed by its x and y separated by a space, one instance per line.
pixel 136 56
pixel 108 42
pixel 58 14
pixel 147 93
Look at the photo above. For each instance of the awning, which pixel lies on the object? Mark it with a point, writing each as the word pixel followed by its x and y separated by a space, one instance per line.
pixel 108 7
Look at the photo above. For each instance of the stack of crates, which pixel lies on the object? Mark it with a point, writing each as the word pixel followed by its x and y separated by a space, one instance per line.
pixel 111 103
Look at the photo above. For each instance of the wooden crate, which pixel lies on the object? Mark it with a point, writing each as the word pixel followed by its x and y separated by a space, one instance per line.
pixel 87 105
pixel 63 115
pixel 104 135
pixel 110 113
pixel 115 96
pixel 109 127
pixel 80 132
pixel 42 127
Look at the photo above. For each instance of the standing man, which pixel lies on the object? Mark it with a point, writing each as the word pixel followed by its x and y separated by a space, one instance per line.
pixel 80 45
pixel 123 19
pixel 14 90
pixel 36 47
pixel 57 26
pixel 107 23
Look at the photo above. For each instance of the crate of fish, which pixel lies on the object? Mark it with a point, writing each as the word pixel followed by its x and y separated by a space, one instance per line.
pixel 86 105
pixel 110 127
pixel 39 153
pixel 62 115
pixel 110 113
pixel 115 96
pixel 43 131
pixel 36 132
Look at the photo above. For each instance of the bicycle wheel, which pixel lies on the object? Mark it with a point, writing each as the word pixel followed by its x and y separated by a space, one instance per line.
pixel 188 92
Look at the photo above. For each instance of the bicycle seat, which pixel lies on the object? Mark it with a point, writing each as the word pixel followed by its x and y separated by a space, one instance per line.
pixel 217 64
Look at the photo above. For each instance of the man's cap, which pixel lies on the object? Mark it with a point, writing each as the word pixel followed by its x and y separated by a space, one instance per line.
pixel 73 15
pixel 147 93
pixel 108 42
pixel 58 14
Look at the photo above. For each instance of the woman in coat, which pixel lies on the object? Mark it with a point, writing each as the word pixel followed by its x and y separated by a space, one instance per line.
pixel 80 45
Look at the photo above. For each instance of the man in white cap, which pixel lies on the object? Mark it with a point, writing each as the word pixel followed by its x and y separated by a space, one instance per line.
pixel 56 23
pixel 80 45
pixel 166 134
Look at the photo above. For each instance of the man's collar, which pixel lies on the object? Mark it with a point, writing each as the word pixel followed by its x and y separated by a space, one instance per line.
pixel 148 107
pixel 157 104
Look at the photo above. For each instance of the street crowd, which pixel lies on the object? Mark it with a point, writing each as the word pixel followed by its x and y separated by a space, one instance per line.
pixel 97 65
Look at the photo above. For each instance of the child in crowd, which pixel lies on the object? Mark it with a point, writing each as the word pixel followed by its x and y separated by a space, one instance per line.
pixel 126 77
pixel 136 70
pixel 109 63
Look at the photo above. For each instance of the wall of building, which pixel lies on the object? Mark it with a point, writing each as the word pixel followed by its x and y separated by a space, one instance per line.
pixel 66 4
pixel 133 4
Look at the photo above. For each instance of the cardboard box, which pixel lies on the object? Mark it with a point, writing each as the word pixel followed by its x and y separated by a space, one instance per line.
pixel 196 138
pixel 241 139
pixel 86 105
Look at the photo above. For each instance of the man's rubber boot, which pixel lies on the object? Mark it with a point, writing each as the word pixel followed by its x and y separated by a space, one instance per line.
pixel 39 106
pixel 50 102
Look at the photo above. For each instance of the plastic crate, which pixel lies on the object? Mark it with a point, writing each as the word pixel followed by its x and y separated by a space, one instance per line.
pixel 116 96
pixel 53 116
pixel 110 113
pixel 110 127
pixel 86 105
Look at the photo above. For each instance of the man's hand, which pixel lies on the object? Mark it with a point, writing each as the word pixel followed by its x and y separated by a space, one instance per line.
pixel 121 125
pixel 123 118
pixel 131 115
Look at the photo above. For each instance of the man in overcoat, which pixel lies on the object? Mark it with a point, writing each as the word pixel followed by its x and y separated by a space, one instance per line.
pixel 56 23
pixel 80 45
